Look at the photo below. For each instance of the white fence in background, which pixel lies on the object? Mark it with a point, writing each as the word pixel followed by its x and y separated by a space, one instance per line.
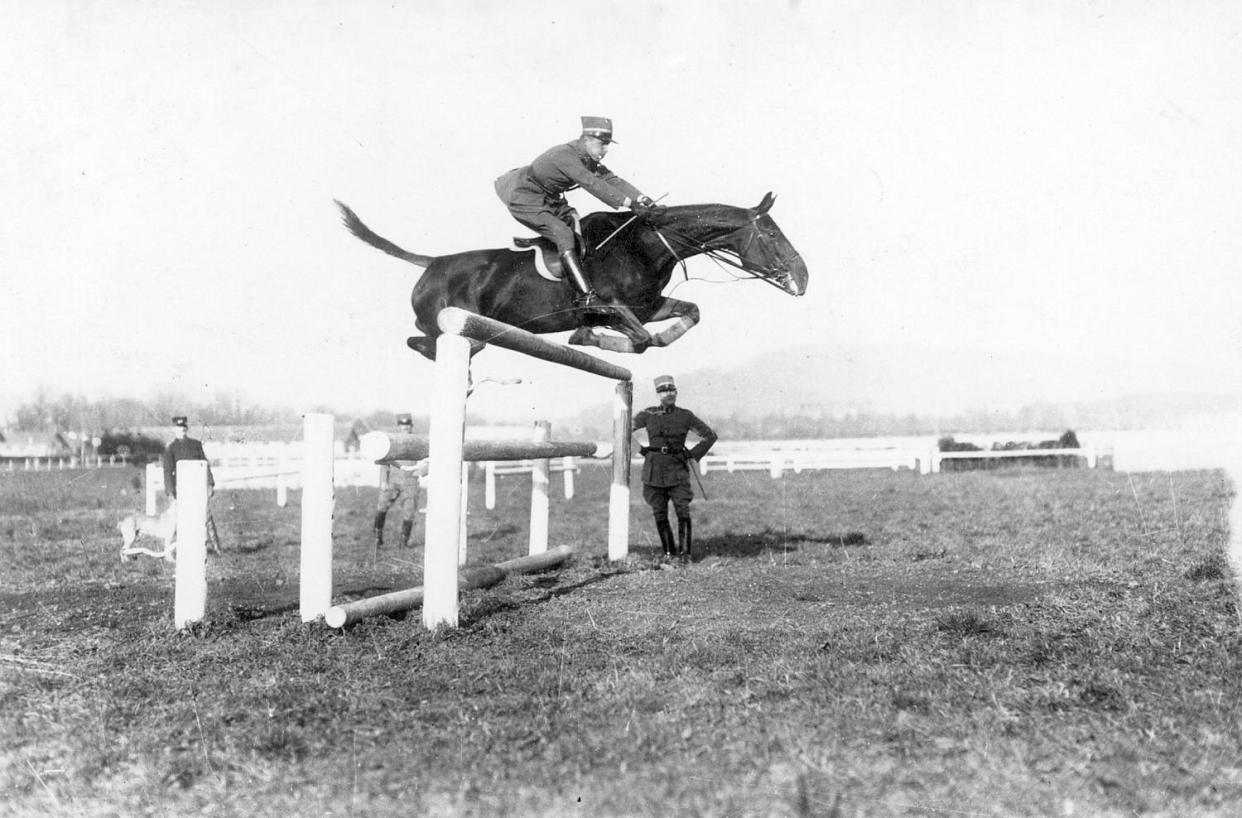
pixel 568 466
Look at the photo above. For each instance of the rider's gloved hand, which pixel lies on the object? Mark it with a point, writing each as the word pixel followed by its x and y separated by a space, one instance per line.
pixel 646 208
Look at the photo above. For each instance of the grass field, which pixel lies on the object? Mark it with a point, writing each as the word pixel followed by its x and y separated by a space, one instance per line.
pixel 1022 642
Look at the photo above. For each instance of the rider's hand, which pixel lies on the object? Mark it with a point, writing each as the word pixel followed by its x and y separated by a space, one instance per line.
pixel 647 211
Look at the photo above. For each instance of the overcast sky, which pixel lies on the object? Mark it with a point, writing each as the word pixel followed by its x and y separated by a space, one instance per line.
pixel 1019 177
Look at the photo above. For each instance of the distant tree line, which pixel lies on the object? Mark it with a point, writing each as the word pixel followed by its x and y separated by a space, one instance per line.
pixel 74 412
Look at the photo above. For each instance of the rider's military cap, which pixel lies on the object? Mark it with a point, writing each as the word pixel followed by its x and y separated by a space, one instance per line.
pixel 182 421
pixel 405 420
pixel 599 127
pixel 664 383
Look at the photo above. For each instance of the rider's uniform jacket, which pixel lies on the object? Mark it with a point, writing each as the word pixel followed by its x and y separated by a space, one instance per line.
pixel 182 448
pixel 542 184
pixel 665 455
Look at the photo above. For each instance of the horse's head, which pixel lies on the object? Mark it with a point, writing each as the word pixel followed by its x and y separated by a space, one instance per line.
pixel 746 238
pixel 766 253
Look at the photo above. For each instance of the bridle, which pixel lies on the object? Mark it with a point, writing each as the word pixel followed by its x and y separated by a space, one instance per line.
pixel 776 274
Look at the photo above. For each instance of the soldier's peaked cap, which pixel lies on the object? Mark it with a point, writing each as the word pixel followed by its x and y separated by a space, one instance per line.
pixel 663 383
pixel 182 421
pixel 599 127
pixel 405 420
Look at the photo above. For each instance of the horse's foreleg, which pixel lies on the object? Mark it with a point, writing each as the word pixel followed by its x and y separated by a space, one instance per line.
pixel 587 337
pixel 687 315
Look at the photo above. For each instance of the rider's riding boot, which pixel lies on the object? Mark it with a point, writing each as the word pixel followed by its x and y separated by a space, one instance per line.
pixel 588 302
pixel 685 539
pixel 406 527
pixel 666 537
pixel 379 528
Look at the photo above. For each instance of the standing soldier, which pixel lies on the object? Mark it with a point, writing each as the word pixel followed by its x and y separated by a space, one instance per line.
pixel 184 447
pixel 399 482
pixel 666 464
pixel 535 196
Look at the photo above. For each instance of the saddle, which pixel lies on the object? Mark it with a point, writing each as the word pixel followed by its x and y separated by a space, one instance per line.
pixel 547 260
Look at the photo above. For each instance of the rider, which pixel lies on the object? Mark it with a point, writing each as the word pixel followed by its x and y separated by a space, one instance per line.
pixel 535 196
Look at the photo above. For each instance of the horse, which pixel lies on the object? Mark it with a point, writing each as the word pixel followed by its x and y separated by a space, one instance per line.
pixel 629 261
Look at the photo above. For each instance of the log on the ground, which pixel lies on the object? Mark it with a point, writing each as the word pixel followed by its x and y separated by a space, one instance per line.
pixel 339 616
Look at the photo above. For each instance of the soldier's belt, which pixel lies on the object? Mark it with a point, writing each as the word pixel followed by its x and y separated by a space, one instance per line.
pixel 645 450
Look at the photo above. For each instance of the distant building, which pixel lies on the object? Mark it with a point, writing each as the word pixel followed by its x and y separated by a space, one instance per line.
pixel 34 444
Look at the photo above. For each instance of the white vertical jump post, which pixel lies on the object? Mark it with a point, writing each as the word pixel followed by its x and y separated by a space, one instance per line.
pixel 465 503
pixel 619 494
pixel 540 476
pixel 190 596
pixel 154 482
pixel 446 442
pixel 315 583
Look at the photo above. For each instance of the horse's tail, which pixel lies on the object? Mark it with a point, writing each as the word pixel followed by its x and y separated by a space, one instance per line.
pixel 355 225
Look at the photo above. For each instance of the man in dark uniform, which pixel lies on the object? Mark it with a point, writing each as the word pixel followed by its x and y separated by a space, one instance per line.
pixel 184 447
pixel 666 464
pixel 399 482
pixel 535 196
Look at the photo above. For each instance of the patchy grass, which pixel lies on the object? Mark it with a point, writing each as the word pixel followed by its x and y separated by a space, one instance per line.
pixel 866 643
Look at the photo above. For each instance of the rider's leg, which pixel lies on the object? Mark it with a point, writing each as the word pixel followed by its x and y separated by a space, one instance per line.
pixel 561 233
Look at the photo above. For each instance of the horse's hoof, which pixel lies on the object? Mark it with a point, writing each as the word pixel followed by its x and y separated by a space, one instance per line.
pixel 582 337
pixel 422 345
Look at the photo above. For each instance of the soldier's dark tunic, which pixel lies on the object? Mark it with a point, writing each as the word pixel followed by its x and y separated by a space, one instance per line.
pixel 183 448
pixel 666 471
pixel 535 194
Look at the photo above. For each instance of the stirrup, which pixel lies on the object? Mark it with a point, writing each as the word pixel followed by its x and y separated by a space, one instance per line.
pixel 587 300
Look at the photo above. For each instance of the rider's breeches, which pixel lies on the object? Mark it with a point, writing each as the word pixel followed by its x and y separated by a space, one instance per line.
pixel 550 226
pixel 407 495
pixel 658 496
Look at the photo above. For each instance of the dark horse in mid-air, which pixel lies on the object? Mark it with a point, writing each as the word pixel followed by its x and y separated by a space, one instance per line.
pixel 629 261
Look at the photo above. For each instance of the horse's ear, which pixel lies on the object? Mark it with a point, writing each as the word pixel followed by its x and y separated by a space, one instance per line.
pixel 766 204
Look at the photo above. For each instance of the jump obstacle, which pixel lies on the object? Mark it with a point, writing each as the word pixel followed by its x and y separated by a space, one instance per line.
pixel 447 450
pixel 447 445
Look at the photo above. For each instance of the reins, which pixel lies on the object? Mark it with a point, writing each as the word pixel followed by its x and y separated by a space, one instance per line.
pixel 722 256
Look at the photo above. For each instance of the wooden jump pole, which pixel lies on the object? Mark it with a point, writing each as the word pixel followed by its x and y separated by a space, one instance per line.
pixel 386 447
pixel 457 321
pixel 190 596
pixel 315 591
pixel 340 616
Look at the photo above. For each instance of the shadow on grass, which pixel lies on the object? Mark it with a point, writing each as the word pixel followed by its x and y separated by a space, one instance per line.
pixel 767 541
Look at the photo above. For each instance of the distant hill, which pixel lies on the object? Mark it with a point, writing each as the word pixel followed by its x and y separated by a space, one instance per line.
pixel 952 386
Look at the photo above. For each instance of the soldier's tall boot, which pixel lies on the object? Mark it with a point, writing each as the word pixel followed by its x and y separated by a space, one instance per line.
pixel 406 527
pixel 379 529
pixel 587 302
pixel 685 539
pixel 666 538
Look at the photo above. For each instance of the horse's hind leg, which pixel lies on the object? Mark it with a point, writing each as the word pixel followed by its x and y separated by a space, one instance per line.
pixel 636 338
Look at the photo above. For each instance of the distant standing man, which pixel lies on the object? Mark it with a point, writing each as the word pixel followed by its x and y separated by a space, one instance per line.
pixel 399 482
pixel 666 464
pixel 535 196
pixel 184 447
